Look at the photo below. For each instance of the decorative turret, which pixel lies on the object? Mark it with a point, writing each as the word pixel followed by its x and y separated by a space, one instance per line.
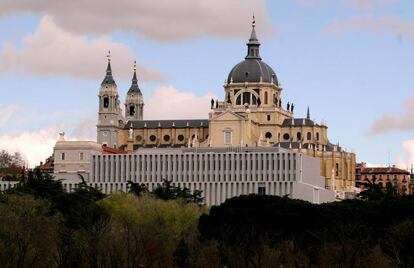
pixel 134 103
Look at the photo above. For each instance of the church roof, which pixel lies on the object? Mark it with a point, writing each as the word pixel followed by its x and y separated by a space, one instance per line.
pixel 183 123
pixel 299 122
pixel 108 80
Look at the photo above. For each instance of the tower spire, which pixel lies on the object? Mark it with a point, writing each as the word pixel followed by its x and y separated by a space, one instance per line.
pixel 308 114
pixel 253 44
pixel 108 78
pixel 134 85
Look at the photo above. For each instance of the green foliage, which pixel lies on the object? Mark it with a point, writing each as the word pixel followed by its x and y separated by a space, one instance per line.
pixel 28 232
pixel 146 231
pixel 349 228
pixel 43 226
pixel 374 191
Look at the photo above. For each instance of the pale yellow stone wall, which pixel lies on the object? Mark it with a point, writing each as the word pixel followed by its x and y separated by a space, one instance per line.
pixel 159 133
pixel 249 126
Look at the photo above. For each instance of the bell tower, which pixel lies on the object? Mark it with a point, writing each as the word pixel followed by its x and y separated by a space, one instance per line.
pixel 134 102
pixel 109 110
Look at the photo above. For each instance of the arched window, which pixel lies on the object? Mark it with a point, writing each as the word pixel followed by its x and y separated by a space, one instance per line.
pixel 254 100
pixel 238 100
pixel 317 136
pixel 299 136
pixel 246 98
pixel 309 136
pixel 265 97
pixel 131 110
pixel 106 102
pixel 336 169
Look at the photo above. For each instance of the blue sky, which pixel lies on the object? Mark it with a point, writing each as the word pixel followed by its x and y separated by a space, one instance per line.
pixel 351 61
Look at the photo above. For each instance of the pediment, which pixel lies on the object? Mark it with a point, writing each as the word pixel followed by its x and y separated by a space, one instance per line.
pixel 229 116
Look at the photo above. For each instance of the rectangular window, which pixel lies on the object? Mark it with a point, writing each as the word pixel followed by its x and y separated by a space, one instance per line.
pixel 227 137
pixel 261 190
pixel 81 156
pixel 268 117
pixel 63 156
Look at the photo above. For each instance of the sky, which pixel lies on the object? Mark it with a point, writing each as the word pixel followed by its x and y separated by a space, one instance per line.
pixel 350 61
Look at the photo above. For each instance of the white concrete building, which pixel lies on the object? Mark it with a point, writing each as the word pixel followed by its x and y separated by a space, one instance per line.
pixel 220 173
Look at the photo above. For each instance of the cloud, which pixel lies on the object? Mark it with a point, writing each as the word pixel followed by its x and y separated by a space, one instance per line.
pixel 406 159
pixel 403 121
pixel 162 20
pixel 369 164
pixel 85 129
pixel 392 25
pixel 51 51
pixel 6 112
pixel 169 103
pixel 35 146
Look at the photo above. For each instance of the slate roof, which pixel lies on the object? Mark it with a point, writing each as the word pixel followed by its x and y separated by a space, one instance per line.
pixel 190 123
pixel 108 80
pixel 299 122
pixel 295 145
pixel 252 69
pixel 134 85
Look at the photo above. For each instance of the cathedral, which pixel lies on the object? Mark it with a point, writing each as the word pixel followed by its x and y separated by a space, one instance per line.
pixel 250 115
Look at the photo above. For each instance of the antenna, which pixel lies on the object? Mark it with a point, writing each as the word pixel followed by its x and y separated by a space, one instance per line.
pixel 389 157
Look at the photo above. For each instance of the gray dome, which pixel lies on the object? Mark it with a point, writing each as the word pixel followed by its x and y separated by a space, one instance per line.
pixel 250 70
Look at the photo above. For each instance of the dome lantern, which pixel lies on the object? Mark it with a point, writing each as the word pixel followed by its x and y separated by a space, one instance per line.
pixel 252 69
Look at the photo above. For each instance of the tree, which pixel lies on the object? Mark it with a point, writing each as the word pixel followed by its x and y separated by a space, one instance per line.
pixel 137 188
pixel 11 166
pixel 372 190
pixel 167 191
pixel 28 232
pixel 144 230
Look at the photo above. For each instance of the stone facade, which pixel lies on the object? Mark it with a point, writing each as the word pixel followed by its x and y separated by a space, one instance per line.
pixel 251 114
pixel 73 157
